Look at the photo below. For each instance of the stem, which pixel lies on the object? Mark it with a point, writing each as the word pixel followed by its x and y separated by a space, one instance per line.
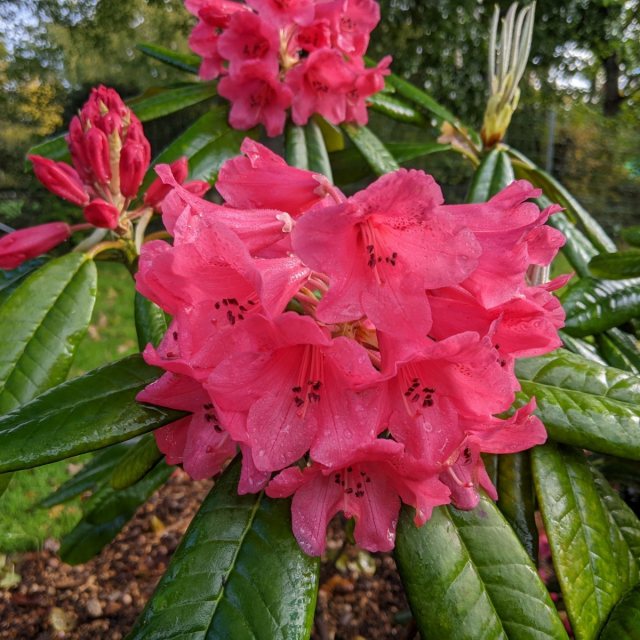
pixel 158 235
pixel 141 227
pixel 105 246
pixel 91 240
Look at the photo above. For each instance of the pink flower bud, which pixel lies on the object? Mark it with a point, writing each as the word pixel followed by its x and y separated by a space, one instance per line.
pixel 158 190
pixel 197 187
pixel 97 150
pixel 102 214
pixel 133 165
pixel 18 246
pixel 61 179
pixel 180 169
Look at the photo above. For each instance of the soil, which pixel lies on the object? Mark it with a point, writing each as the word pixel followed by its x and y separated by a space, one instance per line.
pixel 360 597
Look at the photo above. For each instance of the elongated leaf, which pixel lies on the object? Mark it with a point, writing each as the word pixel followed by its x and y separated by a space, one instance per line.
pixel 582 348
pixel 494 174
pixel 593 562
pixel 295 146
pixel 136 463
pixel 11 280
pixel 184 61
pixel 584 403
pixel 396 109
pixel 41 324
pixel 317 150
pixel 594 306
pixel 631 235
pixel 111 511
pixel 5 480
pixel 155 103
pixel 238 573
pixel 517 498
pixel 374 152
pixel 467 577
pixel 54 148
pixel 151 323
pixel 94 473
pixel 624 622
pixel 613 354
pixel 350 166
pixel 578 248
pixel 627 345
pixel 616 266
pixel 81 415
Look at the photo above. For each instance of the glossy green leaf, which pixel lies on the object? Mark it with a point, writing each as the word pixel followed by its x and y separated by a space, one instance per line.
pixel 592 560
pixel 494 174
pixel 5 481
pixel 627 345
pixel 41 324
pixel 350 166
pixel 517 498
pixel 613 354
pixel 95 472
pixel 584 403
pixel 467 577
pixel 593 306
pixel 151 323
pixel 11 280
pixel 374 152
pixel 396 109
pixel 184 61
pixel 581 348
pixel 578 248
pixel 616 266
pixel 238 573
pixel 109 511
pixel 84 414
pixel 156 103
pixel 317 150
pixel 631 235
pixel 624 621
pixel 55 148
pixel 205 164
pixel 136 463
pixel 295 146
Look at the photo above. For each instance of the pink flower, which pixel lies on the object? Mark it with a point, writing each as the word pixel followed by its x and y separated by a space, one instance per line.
pixel 249 38
pixel 382 249
pixel 282 12
pixel 257 97
pixel 198 441
pixel 353 23
pixel 246 182
pixel 60 179
pixel 368 82
pixel 21 245
pixel 367 486
pixel 179 170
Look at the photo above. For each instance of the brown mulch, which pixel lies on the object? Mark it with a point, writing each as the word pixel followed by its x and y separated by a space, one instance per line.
pixel 360 594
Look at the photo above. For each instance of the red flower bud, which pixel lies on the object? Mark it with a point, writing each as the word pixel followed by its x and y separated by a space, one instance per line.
pixel 18 246
pixel 134 162
pixel 180 169
pixel 157 191
pixel 97 150
pixel 102 214
pixel 60 179
pixel 197 187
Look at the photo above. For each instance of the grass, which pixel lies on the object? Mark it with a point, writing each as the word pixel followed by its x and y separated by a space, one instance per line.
pixel 111 335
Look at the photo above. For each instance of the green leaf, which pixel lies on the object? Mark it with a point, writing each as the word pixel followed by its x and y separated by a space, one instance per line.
pixel 494 174
pixel 317 150
pixel 624 622
pixel 184 61
pixel 205 164
pixel 631 235
pixel 84 414
pixel 94 473
pixel 616 266
pixel 155 103
pixel 581 348
pixel 578 248
pixel 467 577
pixel 295 146
pixel 374 152
pixel 55 148
pixel 151 323
pixel 592 560
pixel 627 345
pixel 350 166
pixel 110 511
pixel 136 462
pixel 584 403
pixel 5 481
pixel 517 498
pixel 396 109
pixel 593 306
pixel 41 324
pixel 238 573
pixel 613 354
pixel 11 280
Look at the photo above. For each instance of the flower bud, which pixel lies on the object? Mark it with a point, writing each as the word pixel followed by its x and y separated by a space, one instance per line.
pixel 97 150
pixel 61 179
pixel 158 189
pixel 133 165
pixel 21 245
pixel 197 187
pixel 102 214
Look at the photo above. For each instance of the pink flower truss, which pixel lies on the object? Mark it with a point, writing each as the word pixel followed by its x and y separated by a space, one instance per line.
pixel 358 352
pixel 306 55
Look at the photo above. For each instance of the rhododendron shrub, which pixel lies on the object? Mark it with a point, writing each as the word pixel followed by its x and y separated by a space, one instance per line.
pixel 275 56
pixel 359 351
